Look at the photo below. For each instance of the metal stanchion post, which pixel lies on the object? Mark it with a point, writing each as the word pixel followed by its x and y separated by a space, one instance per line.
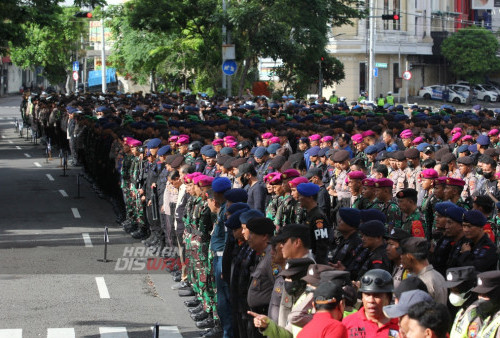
pixel 106 241
pixel 156 332
pixel 65 164
pixel 78 184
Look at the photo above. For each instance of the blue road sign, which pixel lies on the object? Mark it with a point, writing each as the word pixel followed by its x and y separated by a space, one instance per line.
pixel 76 66
pixel 375 71
pixel 229 67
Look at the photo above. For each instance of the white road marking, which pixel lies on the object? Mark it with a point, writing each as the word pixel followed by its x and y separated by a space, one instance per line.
pixel 11 333
pixel 3 136
pixel 63 193
pixel 169 332
pixel 76 214
pixel 61 333
pixel 10 141
pixel 12 122
pixel 103 290
pixel 49 176
pixel 87 240
pixel 37 164
pixel 113 332
pixel 27 155
pixel 18 147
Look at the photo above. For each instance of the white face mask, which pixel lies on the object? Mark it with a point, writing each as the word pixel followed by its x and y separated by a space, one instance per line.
pixel 457 299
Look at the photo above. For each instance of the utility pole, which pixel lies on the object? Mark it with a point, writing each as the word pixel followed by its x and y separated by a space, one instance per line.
pixel 320 80
pixel 103 57
pixel 224 42
pixel 371 61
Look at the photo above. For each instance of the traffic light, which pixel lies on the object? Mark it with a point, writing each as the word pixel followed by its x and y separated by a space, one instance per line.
pixel 83 15
pixel 394 16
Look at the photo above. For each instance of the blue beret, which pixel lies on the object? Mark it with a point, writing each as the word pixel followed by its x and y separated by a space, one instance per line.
pixel 313 151
pixel 101 109
pixel 260 152
pixel 226 151
pixel 210 153
pixel 380 146
pixel 483 140
pixel 163 150
pixel 174 132
pixel 372 214
pixel 249 214
pixel 304 140
pixel 236 195
pixel 455 213
pixel 381 156
pixel 205 148
pixel 233 222
pixel 273 148
pixel 371 150
pixel 422 146
pixel 221 184
pixel 350 216
pixel 475 217
pixel 441 207
pixel 323 151
pixel 237 206
pixel 473 148
pixel 154 143
pixel 308 189
pixel 373 228
pixel 138 109
pixel 463 148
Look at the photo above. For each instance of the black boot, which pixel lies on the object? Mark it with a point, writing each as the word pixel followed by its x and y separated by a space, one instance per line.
pixel 192 302
pixel 196 309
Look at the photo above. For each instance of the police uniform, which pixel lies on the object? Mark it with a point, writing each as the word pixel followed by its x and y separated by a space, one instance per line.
pixel 262 283
pixel 483 255
pixel 320 234
pixel 345 250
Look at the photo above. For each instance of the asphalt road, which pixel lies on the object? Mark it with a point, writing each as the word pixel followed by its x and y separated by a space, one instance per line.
pixel 51 282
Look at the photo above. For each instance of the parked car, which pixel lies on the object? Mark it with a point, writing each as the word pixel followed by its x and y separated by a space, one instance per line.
pixel 438 92
pixel 483 93
pixel 492 88
pixel 464 90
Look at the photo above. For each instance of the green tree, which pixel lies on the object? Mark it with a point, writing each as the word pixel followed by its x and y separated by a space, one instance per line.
pixel 14 14
pixel 471 53
pixel 51 46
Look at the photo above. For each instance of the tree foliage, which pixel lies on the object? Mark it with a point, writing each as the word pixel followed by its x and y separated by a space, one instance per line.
pixel 472 53
pixel 50 46
pixel 295 31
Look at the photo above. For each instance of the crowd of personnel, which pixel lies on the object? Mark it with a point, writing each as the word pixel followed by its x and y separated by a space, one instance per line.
pixel 293 218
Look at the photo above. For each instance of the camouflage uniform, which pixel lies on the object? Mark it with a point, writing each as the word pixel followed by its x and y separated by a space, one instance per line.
pixel 299 214
pixel 188 223
pixel 126 176
pixel 463 204
pixel 428 204
pixel 392 212
pixel 136 184
pixel 272 207
pixel 285 212
pixel 201 236
pixel 415 224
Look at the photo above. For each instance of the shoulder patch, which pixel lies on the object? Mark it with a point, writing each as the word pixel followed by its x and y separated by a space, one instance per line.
pixel 319 223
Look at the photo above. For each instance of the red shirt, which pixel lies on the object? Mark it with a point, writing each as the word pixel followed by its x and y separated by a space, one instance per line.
pixel 358 326
pixel 323 325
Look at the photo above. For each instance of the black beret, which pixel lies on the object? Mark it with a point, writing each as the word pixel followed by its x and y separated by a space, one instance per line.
pixel 341 156
pixel 399 155
pixel 412 153
pixel 467 160
pixel 261 226
pixel 407 193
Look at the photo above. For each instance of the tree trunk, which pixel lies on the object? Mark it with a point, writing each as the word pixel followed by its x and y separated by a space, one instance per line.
pixel 471 94
pixel 68 83
pixel 244 76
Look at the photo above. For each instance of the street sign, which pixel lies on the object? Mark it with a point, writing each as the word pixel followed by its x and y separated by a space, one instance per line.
pixel 229 67
pixel 407 75
pixel 381 65
pixel 375 72
pixel 75 76
pixel 76 66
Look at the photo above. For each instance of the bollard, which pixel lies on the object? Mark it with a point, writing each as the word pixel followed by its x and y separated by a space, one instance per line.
pixel 106 241
pixel 156 333
pixel 36 137
pixel 78 185
pixel 65 164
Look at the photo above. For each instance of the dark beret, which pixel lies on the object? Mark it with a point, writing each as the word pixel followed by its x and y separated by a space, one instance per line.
pixel 261 226
pixel 341 156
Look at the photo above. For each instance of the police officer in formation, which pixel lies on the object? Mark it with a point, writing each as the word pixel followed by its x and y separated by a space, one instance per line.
pixel 219 189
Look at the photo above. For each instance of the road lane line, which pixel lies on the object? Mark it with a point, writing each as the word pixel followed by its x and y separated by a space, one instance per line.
pixel 37 164
pixel 11 142
pixel 101 286
pixel 27 155
pixel 49 176
pixel 3 136
pixel 169 332
pixel 11 333
pixel 76 214
pixel 113 332
pixel 87 240
pixel 61 333
pixel 63 193
pixel 18 147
